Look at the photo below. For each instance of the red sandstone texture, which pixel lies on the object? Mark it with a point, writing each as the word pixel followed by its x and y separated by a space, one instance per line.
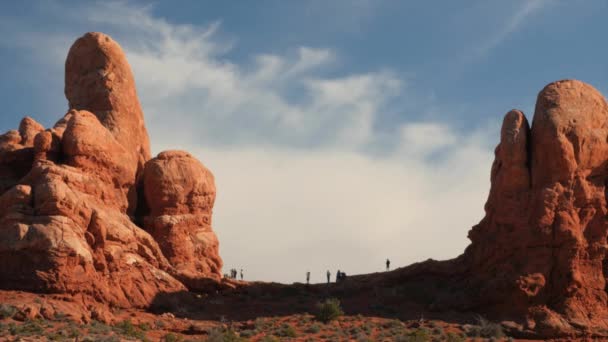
pixel 539 255
pixel 70 195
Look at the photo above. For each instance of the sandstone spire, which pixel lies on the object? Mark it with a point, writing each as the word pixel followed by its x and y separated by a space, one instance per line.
pixel 98 79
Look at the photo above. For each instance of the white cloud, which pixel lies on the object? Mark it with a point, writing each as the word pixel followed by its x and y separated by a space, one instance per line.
pixel 284 139
pixel 280 212
pixel 425 138
pixel 512 24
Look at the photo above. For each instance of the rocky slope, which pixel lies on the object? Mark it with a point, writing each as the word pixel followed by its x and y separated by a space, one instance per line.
pixel 71 195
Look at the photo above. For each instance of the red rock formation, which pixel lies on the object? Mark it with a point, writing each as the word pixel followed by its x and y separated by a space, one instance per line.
pixel 98 78
pixel 67 193
pixel 180 193
pixel 539 253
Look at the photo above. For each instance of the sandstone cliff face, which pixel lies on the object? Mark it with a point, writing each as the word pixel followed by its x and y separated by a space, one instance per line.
pixel 540 252
pixel 69 193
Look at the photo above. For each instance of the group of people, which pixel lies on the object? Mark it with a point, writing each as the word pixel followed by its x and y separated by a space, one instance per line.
pixel 340 276
pixel 234 274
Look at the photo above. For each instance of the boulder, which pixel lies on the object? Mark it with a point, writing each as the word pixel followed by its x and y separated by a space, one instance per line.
pixel 180 193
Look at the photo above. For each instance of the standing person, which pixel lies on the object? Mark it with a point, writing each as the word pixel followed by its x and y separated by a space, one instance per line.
pixel 388 264
pixel 307 277
pixel 241 274
pixel 328 276
pixel 337 276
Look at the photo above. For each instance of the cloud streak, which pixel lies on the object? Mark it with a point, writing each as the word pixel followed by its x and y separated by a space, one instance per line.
pixel 512 24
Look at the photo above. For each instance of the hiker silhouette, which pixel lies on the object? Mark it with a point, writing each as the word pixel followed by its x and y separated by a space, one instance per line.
pixel 388 264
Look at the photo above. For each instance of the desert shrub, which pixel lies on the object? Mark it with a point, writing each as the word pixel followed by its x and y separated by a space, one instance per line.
pixel 97 327
pixel 452 337
pixel 127 329
pixel 287 330
pixel 417 335
pixel 61 317
pixel 228 335
pixel 29 328
pixel 72 331
pixel 261 324
pixel 144 326
pixel 313 329
pixel 7 311
pixel 328 310
pixel 354 331
pixel 247 333
pixel 171 337
pixel 437 330
pixel 304 319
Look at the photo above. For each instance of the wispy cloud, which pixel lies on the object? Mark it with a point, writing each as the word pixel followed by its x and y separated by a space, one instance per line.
pixel 512 24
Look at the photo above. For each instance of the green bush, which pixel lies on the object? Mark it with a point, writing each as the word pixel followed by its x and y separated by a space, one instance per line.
pixel 228 335
pixel 127 329
pixel 452 337
pixel 418 335
pixel 248 333
pixel 287 330
pixel 313 329
pixel 328 310
pixel 7 311
pixel 29 328
pixel 171 337
pixel 97 327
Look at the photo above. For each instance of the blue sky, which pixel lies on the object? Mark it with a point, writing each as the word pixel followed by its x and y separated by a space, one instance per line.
pixel 355 129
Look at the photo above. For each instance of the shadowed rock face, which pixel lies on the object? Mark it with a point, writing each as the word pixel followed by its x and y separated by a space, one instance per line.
pixel 539 253
pixel 68 195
